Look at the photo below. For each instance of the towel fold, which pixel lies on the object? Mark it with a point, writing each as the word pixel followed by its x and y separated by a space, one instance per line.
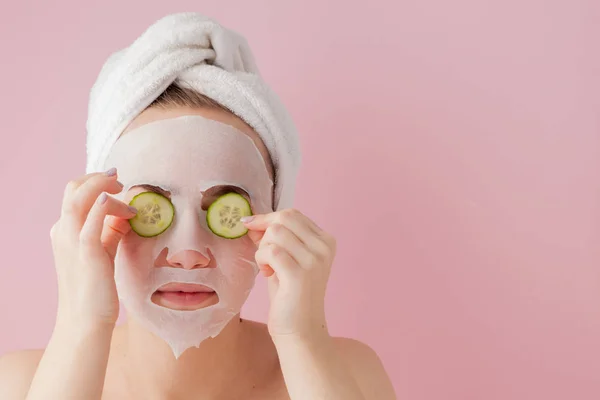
pixel 198 53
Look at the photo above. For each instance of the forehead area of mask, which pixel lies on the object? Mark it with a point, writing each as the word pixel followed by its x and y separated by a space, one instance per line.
pixel 189 152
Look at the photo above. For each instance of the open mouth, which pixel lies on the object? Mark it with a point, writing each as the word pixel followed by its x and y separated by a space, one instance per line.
pixel 185 296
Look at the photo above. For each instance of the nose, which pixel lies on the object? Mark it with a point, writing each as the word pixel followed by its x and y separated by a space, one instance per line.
pixel 188 259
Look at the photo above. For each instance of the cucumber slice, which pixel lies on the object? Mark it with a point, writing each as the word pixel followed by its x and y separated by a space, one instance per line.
pixel 224 214
pixel 155 214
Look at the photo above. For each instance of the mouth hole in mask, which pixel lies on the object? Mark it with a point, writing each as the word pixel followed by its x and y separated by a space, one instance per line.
pixel 184 297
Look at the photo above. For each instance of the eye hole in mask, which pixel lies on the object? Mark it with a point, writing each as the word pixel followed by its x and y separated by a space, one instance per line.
pixel 155 214
pixel 224 206
pixel 224 215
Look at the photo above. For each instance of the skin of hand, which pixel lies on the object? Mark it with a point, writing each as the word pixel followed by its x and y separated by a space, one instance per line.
pixel 84 243
pixel 296 256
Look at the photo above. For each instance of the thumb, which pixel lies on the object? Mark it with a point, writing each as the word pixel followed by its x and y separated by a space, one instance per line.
pixel 273 286
pixel 256 236
pixel 112 233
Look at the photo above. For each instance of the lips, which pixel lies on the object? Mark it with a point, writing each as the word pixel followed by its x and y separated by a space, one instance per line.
pixel 184 287
pixel 185 296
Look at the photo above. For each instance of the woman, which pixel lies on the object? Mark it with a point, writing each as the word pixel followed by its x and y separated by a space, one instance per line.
pixel 184 338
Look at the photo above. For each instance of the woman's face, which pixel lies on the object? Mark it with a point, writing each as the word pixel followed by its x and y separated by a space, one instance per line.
pixel 191 157
pixel 137 248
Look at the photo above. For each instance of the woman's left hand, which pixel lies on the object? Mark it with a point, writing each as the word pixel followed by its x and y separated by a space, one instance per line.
pixel 296 256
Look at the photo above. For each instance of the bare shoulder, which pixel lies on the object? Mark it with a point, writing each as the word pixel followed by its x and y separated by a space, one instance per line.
pixel 16 372
pixel 367 368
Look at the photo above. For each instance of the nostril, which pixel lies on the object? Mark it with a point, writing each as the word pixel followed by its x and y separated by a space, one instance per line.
pixel 189 259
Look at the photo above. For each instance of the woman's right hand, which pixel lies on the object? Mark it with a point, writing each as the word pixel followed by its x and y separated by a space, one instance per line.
pixel 84 242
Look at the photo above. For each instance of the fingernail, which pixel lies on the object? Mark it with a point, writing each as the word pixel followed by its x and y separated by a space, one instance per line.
pixel 133 209
pixel 111 172
pixel 120 184
pixel 245 220
pixel 102 198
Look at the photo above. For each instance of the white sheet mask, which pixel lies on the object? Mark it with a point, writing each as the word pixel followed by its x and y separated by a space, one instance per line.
pixel 186 156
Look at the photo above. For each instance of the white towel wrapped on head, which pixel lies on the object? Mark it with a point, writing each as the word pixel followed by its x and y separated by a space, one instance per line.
pixel 198 53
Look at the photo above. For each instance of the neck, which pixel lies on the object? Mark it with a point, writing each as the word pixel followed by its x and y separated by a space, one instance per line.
pixel 211 369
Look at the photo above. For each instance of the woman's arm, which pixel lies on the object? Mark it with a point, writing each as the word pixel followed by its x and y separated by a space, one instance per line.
pixel 73 365
pixel 296 256
pixel 16 372
pixel 84 243
pixel 330 368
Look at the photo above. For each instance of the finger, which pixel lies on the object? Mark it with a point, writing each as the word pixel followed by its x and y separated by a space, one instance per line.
pixel 111 173
pixel 76 183
pixel 260 222
pixel 273 286
pixel 278 260
pixel 114 230
pixel 283 237
pixel 267 271
pixel 256 236
pixel 82 200
pixel 318 241
pixel 293 219
pixel 91 231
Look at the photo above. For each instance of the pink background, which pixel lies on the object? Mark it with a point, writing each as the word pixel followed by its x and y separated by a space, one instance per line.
pixel 452 147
